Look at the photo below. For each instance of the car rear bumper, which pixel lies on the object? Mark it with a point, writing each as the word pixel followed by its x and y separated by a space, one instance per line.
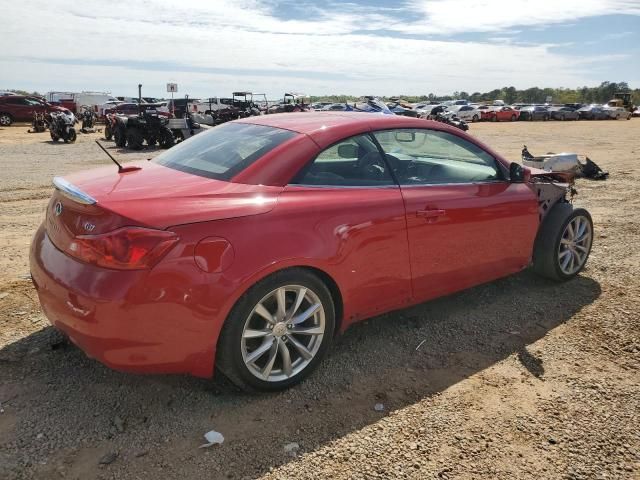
pixel 127 320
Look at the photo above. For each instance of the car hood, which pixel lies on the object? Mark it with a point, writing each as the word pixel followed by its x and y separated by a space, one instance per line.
pixel 160 197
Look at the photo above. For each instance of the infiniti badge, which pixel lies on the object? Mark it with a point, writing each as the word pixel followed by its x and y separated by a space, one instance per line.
pixel 57 209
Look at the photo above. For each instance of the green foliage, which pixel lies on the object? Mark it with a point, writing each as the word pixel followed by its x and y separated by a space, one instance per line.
pixel 600 94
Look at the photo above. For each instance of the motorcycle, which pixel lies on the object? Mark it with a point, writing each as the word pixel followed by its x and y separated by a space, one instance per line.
pixel 439 114
pixel 39 123
pixel 61 126
pixel 89 118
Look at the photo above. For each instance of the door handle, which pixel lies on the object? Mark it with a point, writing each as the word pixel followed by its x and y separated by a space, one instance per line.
pixel 430 213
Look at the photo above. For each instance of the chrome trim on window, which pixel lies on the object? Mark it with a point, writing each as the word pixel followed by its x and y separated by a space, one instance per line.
pixel 485 182
pixel 72 192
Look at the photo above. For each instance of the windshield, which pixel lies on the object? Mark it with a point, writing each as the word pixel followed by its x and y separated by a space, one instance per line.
pixel 223 151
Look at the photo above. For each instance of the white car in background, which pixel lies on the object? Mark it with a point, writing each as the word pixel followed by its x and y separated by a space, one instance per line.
pixel 618 112
pixel 468 113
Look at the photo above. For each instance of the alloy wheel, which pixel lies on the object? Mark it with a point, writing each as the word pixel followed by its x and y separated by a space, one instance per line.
pixel 575 245
pixel 283 333
pixel 5 120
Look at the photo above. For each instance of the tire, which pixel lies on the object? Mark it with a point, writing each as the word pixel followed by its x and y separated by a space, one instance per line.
pixel 545 118
pixel 120 137
pixel 135 139
pixel 475 118
pixel 5 120
pixel 494 118
pixel 71 136
pixel 108 134
pixel 166 139
pixel 268 370
pixel 513 118
pixel 552 257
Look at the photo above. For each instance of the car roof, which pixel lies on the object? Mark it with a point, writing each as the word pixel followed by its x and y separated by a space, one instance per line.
pixel 326 128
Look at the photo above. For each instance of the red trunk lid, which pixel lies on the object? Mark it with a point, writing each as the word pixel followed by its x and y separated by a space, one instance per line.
pixel 101 200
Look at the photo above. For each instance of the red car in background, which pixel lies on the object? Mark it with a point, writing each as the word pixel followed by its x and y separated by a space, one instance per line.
pixel 248 247
pixel 20 108
pixel 500 114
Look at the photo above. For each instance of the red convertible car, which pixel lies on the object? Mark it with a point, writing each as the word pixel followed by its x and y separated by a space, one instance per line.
pixel 247 248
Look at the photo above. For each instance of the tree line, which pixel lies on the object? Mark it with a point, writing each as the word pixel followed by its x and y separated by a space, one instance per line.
pixel 600 94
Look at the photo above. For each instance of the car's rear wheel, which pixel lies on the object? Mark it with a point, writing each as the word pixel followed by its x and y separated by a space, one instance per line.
pixel 563 243
pixel 513 118
pixel 475 118
pixel 5 120
pixel 278 332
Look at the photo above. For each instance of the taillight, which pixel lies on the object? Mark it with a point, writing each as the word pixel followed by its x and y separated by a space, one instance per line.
pixel 128 248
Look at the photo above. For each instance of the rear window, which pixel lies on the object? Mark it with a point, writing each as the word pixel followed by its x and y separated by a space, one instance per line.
pixel 224 151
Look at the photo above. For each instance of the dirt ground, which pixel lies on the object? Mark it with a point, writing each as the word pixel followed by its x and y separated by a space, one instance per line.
pixel 521 378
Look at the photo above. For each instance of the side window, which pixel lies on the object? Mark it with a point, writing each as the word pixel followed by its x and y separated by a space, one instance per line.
pixel 354 162
pixel 420 157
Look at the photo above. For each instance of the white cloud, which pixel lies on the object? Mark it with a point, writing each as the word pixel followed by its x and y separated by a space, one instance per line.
pixel 212 48
pixel 453 16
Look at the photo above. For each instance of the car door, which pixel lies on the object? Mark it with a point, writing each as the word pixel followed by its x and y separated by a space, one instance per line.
pixel 466 223
pixel 20 109
pixel 351 219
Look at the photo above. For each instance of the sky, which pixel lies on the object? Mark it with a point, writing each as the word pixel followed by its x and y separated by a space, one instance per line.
pixel 362 47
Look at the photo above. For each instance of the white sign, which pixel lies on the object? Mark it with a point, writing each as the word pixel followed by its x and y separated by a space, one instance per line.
pixel 172 87
pixel 548 98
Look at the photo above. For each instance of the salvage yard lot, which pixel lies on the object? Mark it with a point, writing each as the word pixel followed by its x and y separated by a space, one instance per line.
pixel 520 378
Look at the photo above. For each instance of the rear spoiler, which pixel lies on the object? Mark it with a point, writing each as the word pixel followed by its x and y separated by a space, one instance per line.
pixel 72 192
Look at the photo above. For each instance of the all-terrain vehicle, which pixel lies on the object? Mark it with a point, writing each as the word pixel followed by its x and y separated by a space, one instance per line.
pixel 132 131
pixel 292 102
pixel 61 126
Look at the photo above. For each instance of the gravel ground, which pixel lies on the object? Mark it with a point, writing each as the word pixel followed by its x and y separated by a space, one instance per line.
pixel 519 378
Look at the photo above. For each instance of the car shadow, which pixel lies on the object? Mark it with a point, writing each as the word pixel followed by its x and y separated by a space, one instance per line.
pixel 396 359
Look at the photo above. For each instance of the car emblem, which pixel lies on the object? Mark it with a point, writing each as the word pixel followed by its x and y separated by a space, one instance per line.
pixel 57 209
pixel 89 227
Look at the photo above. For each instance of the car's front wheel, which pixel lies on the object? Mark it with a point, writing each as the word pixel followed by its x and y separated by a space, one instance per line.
pixel 278 332
pixel 5 119
pixel 563 243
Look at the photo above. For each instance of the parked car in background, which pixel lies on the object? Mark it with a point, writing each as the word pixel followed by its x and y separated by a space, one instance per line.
pixel 593 112
pixel 503 114
pixel 20 108
pixel 636 112
pixel 535 112
pixel 106 106
pixel 160 270
pixel 468 113
pixel 617 113
pixel 564 113
pixel 335 107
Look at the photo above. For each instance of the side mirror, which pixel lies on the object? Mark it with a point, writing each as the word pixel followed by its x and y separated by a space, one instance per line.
pixel 405 137
pixel 516 173
pixel 348 151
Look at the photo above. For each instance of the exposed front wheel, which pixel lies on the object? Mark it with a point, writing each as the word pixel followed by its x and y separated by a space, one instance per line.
pixel 278 332
pixel 475 118
pixel 563 243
